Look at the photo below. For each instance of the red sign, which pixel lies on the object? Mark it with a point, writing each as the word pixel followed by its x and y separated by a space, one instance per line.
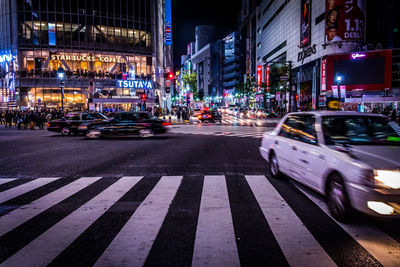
pixel 344 20
pixel 323 76
pixel 267 78
pixel 259 69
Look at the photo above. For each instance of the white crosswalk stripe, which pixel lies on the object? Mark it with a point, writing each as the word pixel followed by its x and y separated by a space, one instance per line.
pixel 46 247
pixel 133 243
pixel 287 227
pixel 218 131
pixel 386 251
pixel 214 241
pixel 21 215
pixel 19 190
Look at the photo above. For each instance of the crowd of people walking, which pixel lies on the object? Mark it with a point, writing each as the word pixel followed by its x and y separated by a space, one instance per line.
pixel 28 119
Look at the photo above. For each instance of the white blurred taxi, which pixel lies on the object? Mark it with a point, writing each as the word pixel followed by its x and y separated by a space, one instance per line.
pixel 352 158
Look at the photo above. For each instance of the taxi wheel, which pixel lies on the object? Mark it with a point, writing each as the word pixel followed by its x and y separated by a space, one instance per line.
pixel 337 200
pixel 65 131
pixel 92 134
pixel 274 166
pixel 146 133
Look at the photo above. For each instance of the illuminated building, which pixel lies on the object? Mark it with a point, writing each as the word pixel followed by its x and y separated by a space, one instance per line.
pixel 97 43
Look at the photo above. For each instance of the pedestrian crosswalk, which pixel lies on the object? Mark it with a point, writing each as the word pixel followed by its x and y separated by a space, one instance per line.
pixel 212 130
pixel 213 220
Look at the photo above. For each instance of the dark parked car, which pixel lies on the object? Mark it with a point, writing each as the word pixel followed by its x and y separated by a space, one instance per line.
pixel 126 123
pixel 210 116
pixel 71 122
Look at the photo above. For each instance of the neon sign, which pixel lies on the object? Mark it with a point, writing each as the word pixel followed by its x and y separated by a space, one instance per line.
pixel 259 68
pixel 5 58
pixel 135 84
pixel 357 55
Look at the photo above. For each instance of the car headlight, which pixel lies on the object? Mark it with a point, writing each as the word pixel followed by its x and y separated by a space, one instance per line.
pixel 388 179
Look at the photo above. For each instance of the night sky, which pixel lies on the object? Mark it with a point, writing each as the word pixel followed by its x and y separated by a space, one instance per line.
pixel 223 14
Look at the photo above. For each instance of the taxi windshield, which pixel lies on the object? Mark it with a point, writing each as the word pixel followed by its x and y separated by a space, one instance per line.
pixel 360 130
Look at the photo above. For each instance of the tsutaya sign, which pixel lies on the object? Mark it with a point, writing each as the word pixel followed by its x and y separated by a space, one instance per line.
pixel 86 58
pixel 135 84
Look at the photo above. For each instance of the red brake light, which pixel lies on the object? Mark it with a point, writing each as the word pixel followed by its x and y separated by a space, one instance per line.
pixel 166 123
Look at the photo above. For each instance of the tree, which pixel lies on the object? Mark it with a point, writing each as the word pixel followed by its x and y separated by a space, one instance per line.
pixel 191 80
pixel 247 89
pixel 276 84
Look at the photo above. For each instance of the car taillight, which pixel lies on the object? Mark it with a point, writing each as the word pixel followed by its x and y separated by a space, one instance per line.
pixel 48 124
pixel 199 116
pixel 166 123
pixel 208 116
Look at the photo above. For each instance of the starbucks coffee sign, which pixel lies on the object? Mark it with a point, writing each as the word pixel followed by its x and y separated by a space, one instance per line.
pixel 87 58
pixel 306 52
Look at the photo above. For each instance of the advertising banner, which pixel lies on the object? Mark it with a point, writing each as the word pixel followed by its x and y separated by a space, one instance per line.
pixel 342 91
pixel 323 76
pixel 344 20
pixel 168 23
pixel 335 91
pixel 305 23
pixel 259 69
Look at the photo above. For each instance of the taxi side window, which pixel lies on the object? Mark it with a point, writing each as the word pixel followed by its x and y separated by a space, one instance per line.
pixel 306 130
pixel 300 128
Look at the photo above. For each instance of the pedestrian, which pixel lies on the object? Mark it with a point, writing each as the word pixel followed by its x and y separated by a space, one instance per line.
pixel 19 120
pixel 1 118
pixel 8 117
pixel 178 114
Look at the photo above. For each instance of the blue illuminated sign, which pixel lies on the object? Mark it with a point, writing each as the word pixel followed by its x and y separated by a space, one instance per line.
pixel 52 33
pixel 168 23
pixel 134 84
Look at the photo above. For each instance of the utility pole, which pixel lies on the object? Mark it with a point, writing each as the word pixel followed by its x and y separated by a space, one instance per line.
pixel 291 102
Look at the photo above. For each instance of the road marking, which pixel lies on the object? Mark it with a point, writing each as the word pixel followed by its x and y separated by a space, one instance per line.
pixel 133 243
pixel 6 180
pixel 24 188
pixel 24 213
pixel 296 242
pixel 215 238
pixel 46 247
pixel 385 249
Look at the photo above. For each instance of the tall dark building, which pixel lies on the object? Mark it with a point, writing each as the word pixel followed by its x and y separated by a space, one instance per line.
pixel 95 42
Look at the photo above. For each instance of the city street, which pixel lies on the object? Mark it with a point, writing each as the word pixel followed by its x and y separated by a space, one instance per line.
pixel 198 195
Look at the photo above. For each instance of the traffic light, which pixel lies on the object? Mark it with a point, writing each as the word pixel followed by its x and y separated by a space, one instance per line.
pixel 144 97
pixel 170 76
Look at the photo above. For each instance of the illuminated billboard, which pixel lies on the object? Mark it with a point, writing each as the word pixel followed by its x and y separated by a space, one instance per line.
pixel 305 25
pixel 168 23
pixel 344 20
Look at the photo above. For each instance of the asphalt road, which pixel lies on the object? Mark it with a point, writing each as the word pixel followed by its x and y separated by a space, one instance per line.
pixel 199 195
pixel 37 153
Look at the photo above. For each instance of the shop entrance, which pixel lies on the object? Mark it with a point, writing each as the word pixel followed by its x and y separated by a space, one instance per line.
pixel 305 96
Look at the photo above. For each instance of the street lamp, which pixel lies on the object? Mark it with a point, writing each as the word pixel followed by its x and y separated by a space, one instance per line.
pixel 339 79
pixel 61 78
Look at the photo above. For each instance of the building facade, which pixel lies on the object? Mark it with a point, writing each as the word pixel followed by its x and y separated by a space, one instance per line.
pixel 232 68
pixel 323 43
pixel 96 43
